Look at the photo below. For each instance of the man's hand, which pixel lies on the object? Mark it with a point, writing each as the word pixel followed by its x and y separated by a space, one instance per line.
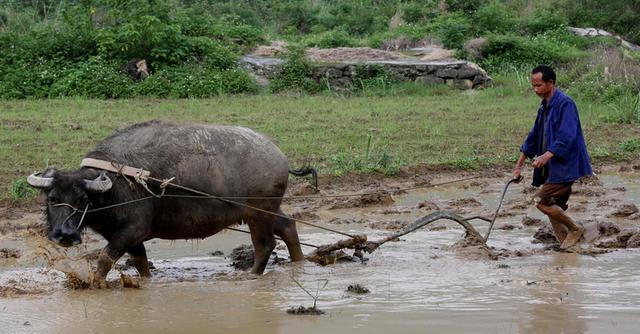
pixel 517 177
pixel 542 160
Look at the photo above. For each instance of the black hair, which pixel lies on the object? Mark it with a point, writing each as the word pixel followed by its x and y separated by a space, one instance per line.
pixel 547 73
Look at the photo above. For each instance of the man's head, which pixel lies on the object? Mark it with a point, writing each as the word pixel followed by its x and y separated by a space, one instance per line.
pixel 543 81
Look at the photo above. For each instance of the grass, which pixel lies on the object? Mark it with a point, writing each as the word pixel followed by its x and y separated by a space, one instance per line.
pixel 337 134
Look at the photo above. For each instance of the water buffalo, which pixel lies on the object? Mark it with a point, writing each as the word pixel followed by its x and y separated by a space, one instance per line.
pixel 224 161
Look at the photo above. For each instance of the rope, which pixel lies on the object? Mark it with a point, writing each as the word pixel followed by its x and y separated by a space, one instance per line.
pixel 228 199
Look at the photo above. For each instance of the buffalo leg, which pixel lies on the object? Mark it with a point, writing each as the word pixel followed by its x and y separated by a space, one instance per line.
pixel 139 257
pixel 286 229
pixel 263 243
pixel 120 242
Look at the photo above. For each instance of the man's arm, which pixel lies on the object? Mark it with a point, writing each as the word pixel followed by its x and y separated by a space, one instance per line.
pixel 517 171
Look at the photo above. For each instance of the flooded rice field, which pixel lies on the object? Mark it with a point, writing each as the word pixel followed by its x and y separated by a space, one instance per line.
pixel 420 283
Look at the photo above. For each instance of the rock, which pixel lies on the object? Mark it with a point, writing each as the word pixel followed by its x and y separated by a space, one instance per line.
pixel 474 47
pixel 467 72
pixel 624 210
pixel 429 80
pixel 446 73
pixel 462 84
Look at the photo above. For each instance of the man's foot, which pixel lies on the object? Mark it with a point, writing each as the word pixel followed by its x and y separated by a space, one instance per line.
pixel 572 238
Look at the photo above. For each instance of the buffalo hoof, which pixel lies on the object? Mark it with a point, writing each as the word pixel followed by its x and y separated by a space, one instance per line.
pixel 99 283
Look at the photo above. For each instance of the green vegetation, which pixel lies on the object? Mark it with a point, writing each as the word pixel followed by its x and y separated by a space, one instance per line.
pixel 57 48
pixel 379 130
pixel 63 87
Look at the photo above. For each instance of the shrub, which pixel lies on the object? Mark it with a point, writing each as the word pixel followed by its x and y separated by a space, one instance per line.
pixel 356 17
pixel 94 78
pixel 452 29
pixel 333 39
pixel 506 51
pixel 543 19
pixel 495 17
pixel 417 12
pixel 295 74
pixel 194 80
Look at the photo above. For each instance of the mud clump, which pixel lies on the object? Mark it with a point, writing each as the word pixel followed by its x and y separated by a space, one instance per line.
pixel 9 291
pixel 301 310
pixel 624 210
pixel 242 257
pixel 74 282
pixel 358 289
pixel 473 247
pixel 545 235
pixel 634 241
pixel 428 205
pixel 303 189
pixel 368 199
pixel 6 253
pixel 529 221
pixel 393 225
pixel 304 215
pixel 607 229
pixel 465 202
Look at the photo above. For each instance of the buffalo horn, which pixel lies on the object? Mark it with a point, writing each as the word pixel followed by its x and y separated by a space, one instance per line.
pixel 101 184
pixel 38 181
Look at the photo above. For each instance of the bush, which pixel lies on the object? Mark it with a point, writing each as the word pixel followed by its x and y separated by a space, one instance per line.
pixel 332 39
pixel 295 74
pixel 507 51
pixel 419 12
pixel 495 17
pixel 452 29
pixel 94 78
pixel 543 19
pixel 355 17
pixel 195 81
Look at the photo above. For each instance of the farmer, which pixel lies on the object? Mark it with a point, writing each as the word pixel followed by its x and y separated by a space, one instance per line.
pixel 559 154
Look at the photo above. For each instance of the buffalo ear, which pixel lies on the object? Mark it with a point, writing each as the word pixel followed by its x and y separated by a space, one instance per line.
pixel 100 184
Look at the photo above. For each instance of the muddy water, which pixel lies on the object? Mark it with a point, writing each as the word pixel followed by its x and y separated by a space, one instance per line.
pixel 417 285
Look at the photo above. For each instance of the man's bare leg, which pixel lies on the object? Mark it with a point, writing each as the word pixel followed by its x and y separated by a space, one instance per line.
pixel 557 216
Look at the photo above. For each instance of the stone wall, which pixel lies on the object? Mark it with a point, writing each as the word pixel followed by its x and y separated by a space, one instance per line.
pixel 458 73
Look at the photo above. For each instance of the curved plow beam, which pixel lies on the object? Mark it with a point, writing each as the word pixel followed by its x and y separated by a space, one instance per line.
pixel 360 243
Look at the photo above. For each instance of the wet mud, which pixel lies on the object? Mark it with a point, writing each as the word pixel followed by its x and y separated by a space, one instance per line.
pixel 419 273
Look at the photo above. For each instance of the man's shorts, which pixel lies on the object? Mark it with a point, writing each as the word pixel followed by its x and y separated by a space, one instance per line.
pixel 554 194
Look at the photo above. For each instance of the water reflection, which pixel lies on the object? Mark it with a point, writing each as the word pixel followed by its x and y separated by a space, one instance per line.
pixel 554 302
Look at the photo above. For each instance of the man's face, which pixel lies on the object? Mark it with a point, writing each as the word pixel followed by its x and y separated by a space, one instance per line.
pixel 542 88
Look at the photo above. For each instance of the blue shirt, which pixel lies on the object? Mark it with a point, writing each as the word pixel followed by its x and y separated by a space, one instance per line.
pixel 563 137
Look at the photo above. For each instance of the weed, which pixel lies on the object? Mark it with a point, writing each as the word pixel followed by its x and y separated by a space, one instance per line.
pixel 20 189
pixel 631 145
pixel 321 284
